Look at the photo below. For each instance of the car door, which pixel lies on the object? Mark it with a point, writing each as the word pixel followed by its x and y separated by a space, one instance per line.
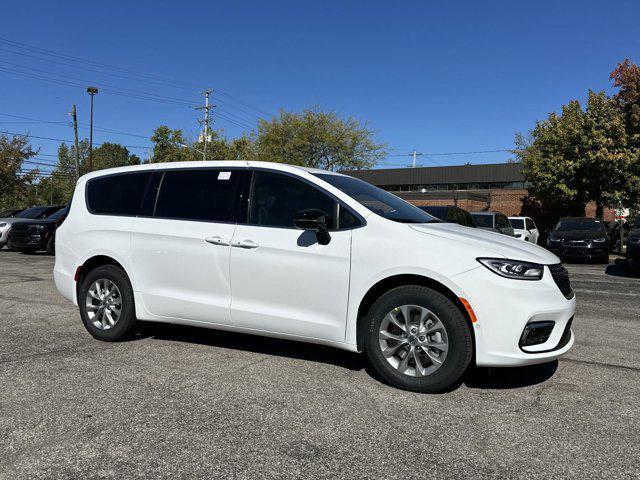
pixel 282 279
pixel 533 231
pixel 181 249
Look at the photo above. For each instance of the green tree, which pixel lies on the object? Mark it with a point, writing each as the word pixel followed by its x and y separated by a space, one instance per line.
pixel 110 155
pixel 169 146
pixel 16 180
pixel 626 77
pixel 317 139
pixel 582 155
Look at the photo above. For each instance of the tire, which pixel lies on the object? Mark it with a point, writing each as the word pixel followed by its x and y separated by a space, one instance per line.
pixel 458 338
pixel 27 251
pixel 111 331
pixel 51 245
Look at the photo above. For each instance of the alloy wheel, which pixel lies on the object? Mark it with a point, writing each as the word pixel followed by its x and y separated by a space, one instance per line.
pixel 104 304
pixel 413 340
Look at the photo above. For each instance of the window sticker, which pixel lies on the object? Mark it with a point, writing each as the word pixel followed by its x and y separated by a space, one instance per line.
pixel 224 175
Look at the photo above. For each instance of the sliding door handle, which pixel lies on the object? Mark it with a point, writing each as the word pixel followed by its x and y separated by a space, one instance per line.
pixel 245 244
pixel 217 240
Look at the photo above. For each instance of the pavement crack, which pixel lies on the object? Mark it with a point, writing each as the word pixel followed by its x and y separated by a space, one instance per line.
pixel 600 364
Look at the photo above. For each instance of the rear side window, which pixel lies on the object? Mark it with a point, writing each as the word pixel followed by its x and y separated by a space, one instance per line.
pixel 530 224
pixel 276 199
pixel 119 194
pixel 204 195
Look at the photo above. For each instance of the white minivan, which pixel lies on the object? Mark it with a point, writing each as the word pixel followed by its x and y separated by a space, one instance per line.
pixel 309 255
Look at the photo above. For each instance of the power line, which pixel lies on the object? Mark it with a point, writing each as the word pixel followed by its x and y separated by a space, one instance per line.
pixel 132 74
pixel 114 90
pixel 451 153
pixel 61 139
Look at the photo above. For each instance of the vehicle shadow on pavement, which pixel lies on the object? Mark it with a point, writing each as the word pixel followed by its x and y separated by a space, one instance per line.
pixel 252 343
pixel 507 378
pixel 618 268
pixel 481 378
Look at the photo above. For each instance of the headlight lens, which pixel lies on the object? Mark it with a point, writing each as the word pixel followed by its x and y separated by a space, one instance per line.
pixel 631 239
pixel 599 240
pixel 515 269
pixel 3 224
pixel 38 227
pixel 554 239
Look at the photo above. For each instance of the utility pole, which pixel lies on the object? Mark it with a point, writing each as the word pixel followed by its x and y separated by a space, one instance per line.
pixel 75 131
pixel 414 159
pixel 205 122
pixel 91 91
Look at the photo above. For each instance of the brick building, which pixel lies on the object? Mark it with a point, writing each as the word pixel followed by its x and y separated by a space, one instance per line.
pixel 498 186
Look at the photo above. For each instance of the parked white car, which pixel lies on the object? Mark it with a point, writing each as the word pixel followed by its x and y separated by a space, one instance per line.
pixel 310 255
pixel 525 229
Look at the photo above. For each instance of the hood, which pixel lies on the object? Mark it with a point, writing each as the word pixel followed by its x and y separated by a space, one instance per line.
pixel 13 220
pixel 28 222
pixel 488 244
pixel 578 235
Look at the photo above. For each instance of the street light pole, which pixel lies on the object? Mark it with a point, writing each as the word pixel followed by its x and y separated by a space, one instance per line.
pixel 91 91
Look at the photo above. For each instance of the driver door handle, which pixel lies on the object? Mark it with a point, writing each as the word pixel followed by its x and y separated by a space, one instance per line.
pixel 245 244
pixel 217 240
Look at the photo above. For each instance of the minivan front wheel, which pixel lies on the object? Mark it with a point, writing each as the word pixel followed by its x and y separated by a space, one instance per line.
pixel 417 339
pixel 106 303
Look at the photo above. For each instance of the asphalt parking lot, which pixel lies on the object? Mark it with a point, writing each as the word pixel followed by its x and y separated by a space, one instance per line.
pixel 180 402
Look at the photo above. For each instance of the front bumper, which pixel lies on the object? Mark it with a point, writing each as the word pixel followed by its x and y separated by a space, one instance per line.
pixel 504 307
pixel 31 240
pixel 4 234
pixel 583 251
pixel 633 252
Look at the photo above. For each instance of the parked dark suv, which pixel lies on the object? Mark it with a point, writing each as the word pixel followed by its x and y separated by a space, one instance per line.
pixel 450 214
pixel 29 237
pixel 579 237
pixel 494 221
pixel 633 246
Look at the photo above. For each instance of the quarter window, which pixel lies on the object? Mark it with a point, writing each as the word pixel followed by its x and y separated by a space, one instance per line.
pixel 119 194
pixel 277 198
pixel 205 195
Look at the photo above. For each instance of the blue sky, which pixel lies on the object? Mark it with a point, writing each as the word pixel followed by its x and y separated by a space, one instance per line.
pixel 432 76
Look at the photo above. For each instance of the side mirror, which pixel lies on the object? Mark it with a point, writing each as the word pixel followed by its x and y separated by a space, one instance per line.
pixel 315 221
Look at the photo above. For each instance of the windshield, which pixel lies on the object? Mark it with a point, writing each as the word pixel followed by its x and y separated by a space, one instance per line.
pixel 572 224
pixel 483 220
pixel 32 212
pixel 382 203
pixel 517 223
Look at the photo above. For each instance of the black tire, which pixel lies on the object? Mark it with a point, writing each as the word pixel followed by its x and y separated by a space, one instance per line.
pixel 458 331
pixel 27 251
pixel 51 245
pixel 126 322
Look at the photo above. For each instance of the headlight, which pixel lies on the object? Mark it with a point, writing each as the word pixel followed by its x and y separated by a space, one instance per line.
pixel 38 227
pixel 553 239
pixel 599 240
pixel 515 269
pixel 3 224
pixel 631 239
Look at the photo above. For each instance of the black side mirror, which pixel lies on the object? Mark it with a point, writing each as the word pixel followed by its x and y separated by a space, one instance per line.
pixel 315 221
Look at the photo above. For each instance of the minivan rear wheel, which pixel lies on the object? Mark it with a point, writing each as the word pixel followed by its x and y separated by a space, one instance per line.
pixel 417 339
pixel 106 303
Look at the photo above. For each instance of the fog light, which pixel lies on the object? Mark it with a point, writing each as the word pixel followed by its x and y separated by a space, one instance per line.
pixel 536 333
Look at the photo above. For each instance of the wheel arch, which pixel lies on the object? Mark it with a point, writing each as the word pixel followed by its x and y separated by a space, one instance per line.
pixel 391 282
pixel 94 262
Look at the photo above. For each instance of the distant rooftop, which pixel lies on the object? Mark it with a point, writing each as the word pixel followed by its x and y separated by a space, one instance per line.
pixel 447 175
